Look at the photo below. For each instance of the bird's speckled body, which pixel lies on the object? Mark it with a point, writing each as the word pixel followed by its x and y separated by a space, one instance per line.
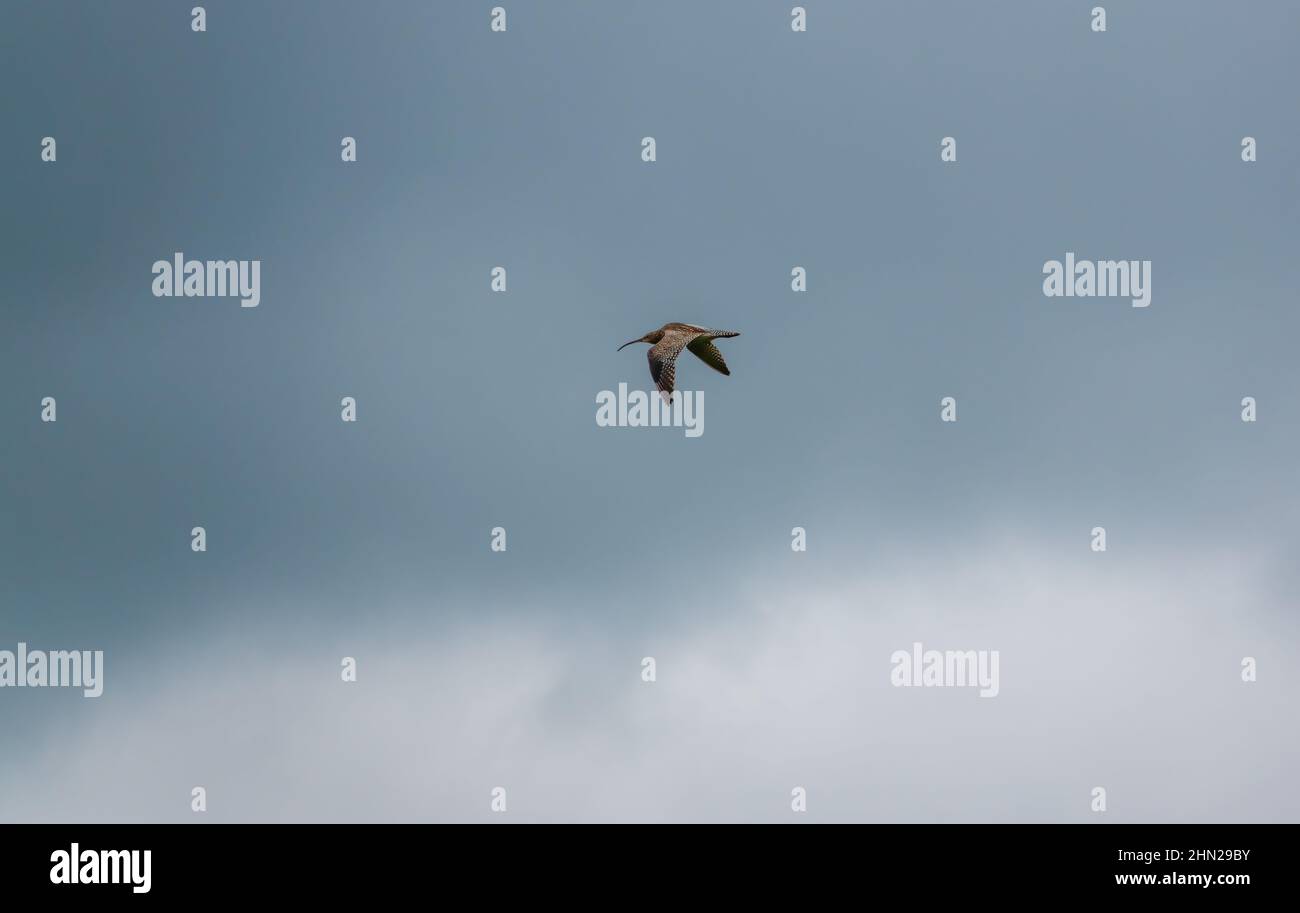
pixel 669 340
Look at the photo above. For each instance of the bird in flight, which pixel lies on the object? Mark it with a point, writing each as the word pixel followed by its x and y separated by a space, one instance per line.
pixel 669 340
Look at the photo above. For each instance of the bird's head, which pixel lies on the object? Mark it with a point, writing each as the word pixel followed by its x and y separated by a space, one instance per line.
pixel 651 338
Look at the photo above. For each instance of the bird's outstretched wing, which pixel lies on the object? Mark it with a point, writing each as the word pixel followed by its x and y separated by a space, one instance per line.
pixel 663 355
pixel 663 362
pixel 707 352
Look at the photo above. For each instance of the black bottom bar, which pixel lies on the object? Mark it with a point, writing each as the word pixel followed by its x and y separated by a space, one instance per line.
pixel 339 861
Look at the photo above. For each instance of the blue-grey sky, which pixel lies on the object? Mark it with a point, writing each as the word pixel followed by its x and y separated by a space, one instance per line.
pixel 476 409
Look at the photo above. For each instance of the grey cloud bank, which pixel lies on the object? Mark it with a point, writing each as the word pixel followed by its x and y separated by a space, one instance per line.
pixel 1110 676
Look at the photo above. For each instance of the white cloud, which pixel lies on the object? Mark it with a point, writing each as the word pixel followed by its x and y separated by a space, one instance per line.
pixel 1112 674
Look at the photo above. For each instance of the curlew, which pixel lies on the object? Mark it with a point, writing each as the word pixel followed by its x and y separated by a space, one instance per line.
pixel 667 342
